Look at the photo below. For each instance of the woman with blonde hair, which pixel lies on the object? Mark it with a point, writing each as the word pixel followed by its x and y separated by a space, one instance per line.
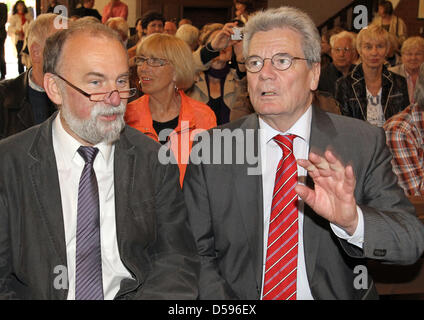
pixel 371 92
pixel 165 68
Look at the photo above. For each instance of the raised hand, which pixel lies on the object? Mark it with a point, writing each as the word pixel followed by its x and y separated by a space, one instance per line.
pixel 333 195
pixel 223 38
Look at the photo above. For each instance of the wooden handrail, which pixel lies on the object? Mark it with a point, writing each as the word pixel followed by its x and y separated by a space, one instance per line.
pixel 329 23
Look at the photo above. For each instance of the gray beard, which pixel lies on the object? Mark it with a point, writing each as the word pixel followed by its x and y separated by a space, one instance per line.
pixel 94 130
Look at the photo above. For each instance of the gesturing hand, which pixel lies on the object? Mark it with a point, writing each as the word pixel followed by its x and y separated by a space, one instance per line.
pixel 333 196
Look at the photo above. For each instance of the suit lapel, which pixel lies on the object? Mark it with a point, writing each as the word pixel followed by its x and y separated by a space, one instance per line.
pixel 248 189
pixel 322 130
pixel 45 185
pixel 124 174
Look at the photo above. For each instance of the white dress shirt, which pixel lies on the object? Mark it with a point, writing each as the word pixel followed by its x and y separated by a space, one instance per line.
pixel 269 162
pixel 70 165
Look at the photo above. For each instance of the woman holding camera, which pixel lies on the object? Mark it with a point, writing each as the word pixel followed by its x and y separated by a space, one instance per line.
pixel 217 85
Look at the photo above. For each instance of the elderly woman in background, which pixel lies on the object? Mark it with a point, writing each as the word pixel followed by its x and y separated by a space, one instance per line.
pixel 165 68
pixel 216 86
pixel 412 56
pixel 18 27
pixel 190 34
pixel 371 92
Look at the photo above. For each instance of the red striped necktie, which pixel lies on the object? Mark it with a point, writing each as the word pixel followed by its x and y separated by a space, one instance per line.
pixel 281 258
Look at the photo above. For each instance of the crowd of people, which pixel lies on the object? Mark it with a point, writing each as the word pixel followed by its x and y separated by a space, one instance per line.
pixel 337 143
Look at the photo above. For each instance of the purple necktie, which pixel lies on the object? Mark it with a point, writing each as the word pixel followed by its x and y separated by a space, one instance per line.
pixel 88 278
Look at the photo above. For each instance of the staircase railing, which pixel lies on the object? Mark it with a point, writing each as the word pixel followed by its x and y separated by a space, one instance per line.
pixel 346 16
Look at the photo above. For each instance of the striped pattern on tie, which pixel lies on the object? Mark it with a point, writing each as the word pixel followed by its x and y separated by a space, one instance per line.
pixel 88 277
pixel 282 247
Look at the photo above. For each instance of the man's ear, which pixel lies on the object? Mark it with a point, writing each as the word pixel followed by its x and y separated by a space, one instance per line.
pixel 52 88
pixel 36 53
pixel 316 71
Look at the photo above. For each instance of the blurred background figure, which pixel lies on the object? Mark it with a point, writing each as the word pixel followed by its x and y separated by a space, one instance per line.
pixel 326 47
pixel 51 5
pixel 393 56
pixel 216 86
pixel 121 26
pixel 18 27
pixel 184 21
pixel 86 10
pixel 405 136
pixel 242 9
pixel 371 92
pixel 27 103
pixel 343 54
pixel 412 56
pixel 170 28
pixel 190 34
pixel 391 23
pixel 115 8
pixel 152 22
pixel 3 35
pixel 135 38
pixel 165 68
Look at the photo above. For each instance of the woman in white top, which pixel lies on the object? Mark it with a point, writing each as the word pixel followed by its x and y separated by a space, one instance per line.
pixel 18 26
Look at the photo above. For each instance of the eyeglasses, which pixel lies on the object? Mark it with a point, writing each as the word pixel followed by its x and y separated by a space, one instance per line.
pixel 339 50
pixel 101 96
pixel 151 61
pixel 280 61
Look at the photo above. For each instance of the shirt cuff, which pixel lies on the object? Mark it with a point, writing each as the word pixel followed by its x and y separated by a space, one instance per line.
pixel 357 238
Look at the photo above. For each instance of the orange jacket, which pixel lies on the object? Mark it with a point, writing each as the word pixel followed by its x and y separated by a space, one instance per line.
pixel 194 115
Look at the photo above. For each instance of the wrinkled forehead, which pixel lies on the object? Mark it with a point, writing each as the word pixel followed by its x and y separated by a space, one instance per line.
pixel 345 41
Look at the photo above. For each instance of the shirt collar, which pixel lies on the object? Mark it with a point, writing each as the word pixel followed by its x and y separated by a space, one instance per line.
pixel 32 84
pixel 68 145
pixel 301 128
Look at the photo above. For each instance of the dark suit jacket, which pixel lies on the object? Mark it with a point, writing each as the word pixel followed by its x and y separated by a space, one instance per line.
pixel 155 243
pixel 16 112
pixel 224 202
pixel 351 93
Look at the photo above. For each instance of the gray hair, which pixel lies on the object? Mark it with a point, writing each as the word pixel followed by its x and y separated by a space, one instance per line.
pixel 286 17
pixel 54 44
pixel 419 88
pixel 190 34
pixel 43 26
pixel 341 35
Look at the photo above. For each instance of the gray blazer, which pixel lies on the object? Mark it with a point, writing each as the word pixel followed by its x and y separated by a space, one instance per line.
pixel 226 215
pixel 154 241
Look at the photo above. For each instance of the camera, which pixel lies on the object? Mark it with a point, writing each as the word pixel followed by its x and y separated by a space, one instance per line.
pixel 238 34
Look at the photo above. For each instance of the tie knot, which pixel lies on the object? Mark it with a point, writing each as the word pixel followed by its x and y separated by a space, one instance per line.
pixel 88 153
pixel 285 142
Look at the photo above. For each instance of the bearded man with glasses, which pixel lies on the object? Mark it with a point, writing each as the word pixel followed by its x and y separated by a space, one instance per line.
pixel 315 200
pixel 85 205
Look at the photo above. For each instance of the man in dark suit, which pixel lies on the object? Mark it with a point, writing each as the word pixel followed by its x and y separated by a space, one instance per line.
pixel 267 228
pixel 23 100
pixel 86 209
pixel 3 35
